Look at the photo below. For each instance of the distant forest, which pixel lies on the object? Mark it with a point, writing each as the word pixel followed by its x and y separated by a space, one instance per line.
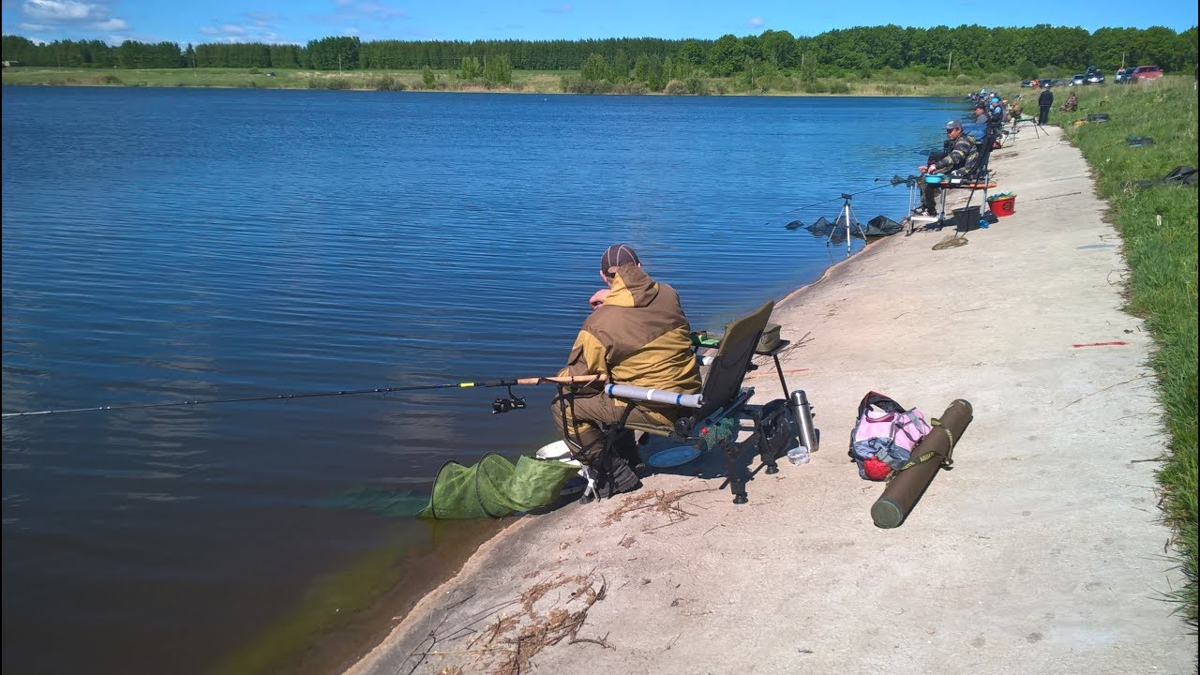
pixel 933 51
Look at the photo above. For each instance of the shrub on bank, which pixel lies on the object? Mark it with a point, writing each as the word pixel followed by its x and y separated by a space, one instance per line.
pixel 385 83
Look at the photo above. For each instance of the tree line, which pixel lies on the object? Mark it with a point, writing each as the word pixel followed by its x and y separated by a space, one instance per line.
pixel 941 49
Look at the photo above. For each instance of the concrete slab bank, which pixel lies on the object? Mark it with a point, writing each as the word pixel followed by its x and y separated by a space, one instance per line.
pixel 1039 552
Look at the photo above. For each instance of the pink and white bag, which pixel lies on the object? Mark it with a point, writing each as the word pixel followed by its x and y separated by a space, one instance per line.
pixel 884 436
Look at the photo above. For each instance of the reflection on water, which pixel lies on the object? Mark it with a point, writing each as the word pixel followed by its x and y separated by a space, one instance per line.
pixel 172 245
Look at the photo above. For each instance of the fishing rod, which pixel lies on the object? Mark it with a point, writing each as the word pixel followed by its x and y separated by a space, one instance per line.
pixel 828 201
pixel 500 405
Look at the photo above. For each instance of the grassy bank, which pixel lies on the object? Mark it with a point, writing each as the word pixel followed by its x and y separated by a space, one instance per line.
pixel 1162 261
pixel 885 83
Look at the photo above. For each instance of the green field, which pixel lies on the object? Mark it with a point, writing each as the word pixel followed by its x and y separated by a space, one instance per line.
pixel 885 83
pixel 1158 225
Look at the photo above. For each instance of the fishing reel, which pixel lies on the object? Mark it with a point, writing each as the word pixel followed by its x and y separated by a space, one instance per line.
pixel 509 403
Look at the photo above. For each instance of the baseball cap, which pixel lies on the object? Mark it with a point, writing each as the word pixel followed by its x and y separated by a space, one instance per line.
pixel 953 124
pixel 617 255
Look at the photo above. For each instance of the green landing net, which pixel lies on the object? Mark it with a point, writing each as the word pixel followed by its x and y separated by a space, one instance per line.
pixel 495 487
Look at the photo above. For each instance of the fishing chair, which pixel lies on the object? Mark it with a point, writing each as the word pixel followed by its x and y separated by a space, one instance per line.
pixel 713 417
pixel 979 178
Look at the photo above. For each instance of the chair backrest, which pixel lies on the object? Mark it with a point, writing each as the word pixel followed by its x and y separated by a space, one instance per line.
pixel 985 153
pixel 732 360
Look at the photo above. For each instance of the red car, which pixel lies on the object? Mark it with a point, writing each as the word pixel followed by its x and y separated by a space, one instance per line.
pixel 1145 74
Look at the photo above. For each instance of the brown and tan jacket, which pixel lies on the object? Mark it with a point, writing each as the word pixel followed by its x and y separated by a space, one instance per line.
pixel 639 336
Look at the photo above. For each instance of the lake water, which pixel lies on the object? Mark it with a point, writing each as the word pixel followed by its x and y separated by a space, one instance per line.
pixel 163 245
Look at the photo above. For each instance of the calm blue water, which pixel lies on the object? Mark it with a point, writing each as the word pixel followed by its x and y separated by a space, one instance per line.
pixel 180 244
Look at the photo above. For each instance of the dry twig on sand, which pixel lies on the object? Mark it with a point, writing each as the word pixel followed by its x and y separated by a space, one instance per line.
pixel 658 501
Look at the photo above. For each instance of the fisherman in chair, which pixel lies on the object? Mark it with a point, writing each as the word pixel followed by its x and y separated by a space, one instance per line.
pixel 637 334
pixel 960 161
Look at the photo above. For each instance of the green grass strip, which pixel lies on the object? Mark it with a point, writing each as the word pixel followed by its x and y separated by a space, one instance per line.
pixel 882 83
pixel 1158 225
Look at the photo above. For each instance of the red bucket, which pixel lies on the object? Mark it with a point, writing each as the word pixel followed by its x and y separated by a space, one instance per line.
pixel 1003 207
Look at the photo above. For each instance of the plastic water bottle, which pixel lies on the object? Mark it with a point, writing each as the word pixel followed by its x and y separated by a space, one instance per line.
pixel 798 455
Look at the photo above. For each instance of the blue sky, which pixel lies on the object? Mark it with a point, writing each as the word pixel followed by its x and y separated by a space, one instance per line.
pixel 301 20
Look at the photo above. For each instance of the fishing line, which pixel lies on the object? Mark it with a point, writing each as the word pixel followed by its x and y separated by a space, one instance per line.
pixel 501 404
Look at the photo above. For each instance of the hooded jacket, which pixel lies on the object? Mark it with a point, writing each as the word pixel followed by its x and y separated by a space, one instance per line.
pixel 639 336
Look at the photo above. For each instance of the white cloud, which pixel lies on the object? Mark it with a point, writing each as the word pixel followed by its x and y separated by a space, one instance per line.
pixel 368 9
pixel 756 22
pixel 72 15
pixel 249 27
pixel 110 24
pixel 60 10
pixel 232 33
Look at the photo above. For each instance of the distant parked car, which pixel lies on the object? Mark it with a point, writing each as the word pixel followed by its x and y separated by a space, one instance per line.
pixel 1146 74
pixel 1095 77
pixel 1122 75
pixel 1078 80
pixel 1026 83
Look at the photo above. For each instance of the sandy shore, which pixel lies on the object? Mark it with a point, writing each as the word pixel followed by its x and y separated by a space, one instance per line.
pixel 1039 552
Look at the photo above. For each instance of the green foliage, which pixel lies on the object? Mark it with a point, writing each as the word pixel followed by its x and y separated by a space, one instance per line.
pixel 243 55
pixel 693 52
pixel 1027 70
pixel 1162 261
pixel 428 79
pixel 385 83
pixel 578 85
pixel 133 54
pixel 675 88
pixel 471 69
pixel 595 68
pixel 648 70
pixel 968 49
pixel 696 83
pixel 334 53
pixel 778 47
pixel 808 68
pixel 498 71
pixel 726 56
pixel 620 67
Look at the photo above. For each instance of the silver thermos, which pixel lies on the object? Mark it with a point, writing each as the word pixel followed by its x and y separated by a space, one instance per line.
pixel 810 437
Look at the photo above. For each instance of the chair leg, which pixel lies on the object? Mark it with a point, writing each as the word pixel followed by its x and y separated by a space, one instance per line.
pixel 737 484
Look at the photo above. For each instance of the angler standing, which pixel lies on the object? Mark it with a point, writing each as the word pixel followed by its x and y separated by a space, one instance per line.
pixel 637 334
pixel 1045 101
